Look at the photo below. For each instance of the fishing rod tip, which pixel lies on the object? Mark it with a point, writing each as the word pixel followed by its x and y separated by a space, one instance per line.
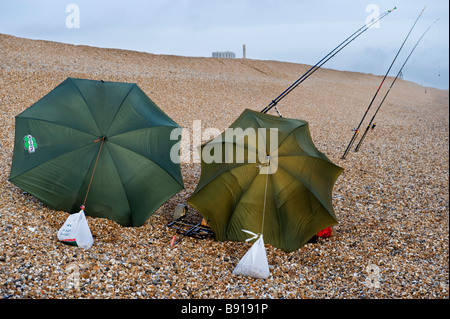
pixel 389 11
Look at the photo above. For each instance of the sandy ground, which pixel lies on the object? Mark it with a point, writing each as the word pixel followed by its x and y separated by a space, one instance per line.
pixel 392 200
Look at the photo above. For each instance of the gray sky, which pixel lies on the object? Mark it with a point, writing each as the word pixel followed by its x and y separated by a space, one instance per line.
pixel 296 31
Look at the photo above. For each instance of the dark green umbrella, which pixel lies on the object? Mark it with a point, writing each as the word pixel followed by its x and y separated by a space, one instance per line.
pixel 101 144
pixel 286 194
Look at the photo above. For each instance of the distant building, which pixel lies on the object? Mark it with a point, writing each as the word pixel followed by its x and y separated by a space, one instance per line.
pixel 224 55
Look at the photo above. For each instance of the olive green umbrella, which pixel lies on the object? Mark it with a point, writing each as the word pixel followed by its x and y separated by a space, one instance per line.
pixel 101 144
pixel 278 184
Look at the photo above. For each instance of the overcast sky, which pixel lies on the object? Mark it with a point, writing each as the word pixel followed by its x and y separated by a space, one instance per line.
pixel 298 31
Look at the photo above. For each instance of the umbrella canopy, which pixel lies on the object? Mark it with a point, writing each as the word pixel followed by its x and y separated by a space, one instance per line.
pixel 102 144
pixel 286 194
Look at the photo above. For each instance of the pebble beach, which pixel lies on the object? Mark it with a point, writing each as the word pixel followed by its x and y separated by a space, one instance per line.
pixel 391 201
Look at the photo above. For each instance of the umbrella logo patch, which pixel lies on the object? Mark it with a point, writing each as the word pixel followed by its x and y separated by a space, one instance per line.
pixel 29 143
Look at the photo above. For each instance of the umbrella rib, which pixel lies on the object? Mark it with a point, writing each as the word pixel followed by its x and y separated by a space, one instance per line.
pixel 242 193
pixel 243 147
pixel 309 189
pixel 63 125
pixel 310 207
pixel 138 129
pixel 302 124
pixel 33 167
pixel 145 158
pixel 228 168
pixel 236 167
pixel 310 156
pixel 121 104
pixel 290 133
pixel 325 158
pixel 137 114
pixel 260 126
pixel 123 187
pixel 87 105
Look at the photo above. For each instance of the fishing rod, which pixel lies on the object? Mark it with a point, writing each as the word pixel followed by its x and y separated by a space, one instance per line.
pixel 392 84
pixel 355 135
pixel 331 54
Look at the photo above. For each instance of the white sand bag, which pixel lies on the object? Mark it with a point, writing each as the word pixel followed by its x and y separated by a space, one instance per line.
pixel 254 263
pixel 76 232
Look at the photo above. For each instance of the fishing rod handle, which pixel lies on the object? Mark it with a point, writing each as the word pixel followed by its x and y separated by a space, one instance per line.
pixel 362 139
pixel 350 144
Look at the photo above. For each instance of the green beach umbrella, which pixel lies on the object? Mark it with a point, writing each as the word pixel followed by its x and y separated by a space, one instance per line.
pixel 101 144
pixel 278 184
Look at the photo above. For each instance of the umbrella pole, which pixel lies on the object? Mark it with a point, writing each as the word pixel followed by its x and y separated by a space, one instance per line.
pixel 355 135
pixel 95 166
pixel 264 207
pixel 331 54
pixel 392 84
pixel 381 84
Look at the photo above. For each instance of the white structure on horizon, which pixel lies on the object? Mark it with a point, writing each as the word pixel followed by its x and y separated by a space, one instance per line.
pixel 224 55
